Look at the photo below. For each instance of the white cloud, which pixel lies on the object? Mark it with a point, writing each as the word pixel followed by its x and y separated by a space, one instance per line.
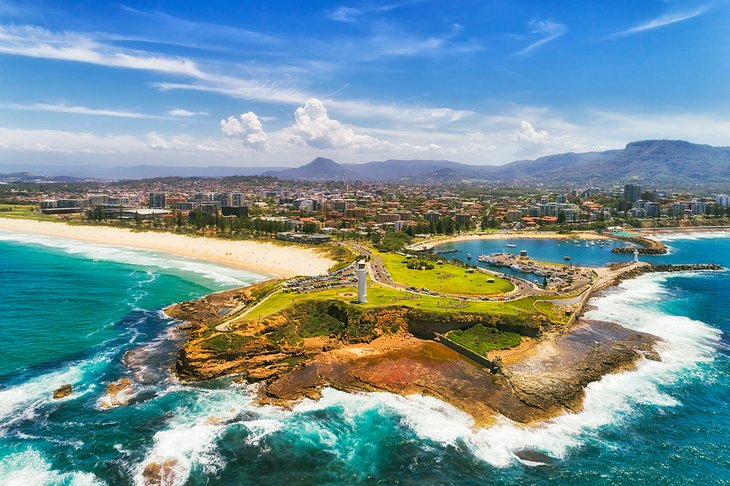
pixel 79 110
pixel 389 41
pixel 183 113
pixel 179 31
pixel 549 31
pixel 188 143
pixel 661 21
pixel 352 14
pixel 66 142
pixel 527 133
pixel 315 128
pixel 345 14
pixel 247 128
pixel 30 41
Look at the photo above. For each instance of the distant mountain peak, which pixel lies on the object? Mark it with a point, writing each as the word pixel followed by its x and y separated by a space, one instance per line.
pixel 657 163
pixel 322 160
pixel 322 163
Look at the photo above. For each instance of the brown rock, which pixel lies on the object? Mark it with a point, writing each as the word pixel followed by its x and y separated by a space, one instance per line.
pixel 117 393
pixel 63 391
pixel 156 474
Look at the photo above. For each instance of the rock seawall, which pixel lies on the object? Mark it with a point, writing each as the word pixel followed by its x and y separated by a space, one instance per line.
pixel 646 246
pixel 667 268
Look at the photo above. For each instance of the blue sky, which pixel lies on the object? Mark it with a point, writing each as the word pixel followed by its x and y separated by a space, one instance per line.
pixel 279 83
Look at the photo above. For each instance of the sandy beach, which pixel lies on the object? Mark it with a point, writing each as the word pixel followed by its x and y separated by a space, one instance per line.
pixel 262 258
pixel 509 235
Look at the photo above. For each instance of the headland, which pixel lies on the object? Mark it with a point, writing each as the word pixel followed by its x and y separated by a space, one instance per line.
pixel 526 356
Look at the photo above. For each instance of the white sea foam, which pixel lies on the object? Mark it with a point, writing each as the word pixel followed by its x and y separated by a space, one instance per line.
pixel 190 439
pixel 690 236
pixel 686 343
pixel 29 467
pixel 20 402
pixel 140 258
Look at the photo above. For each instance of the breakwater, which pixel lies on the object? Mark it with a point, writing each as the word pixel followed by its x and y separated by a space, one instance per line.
pixel 677 267
pixel 646 246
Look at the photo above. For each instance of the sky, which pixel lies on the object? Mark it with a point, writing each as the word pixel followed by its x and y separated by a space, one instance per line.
pixel 278 83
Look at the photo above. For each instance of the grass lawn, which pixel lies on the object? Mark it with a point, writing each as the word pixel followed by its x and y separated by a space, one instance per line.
pixel 380 296
pixel 11 211
pixel 446 278
pixel 482 339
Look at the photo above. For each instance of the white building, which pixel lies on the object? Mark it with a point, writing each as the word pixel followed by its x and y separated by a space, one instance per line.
pixel 362 277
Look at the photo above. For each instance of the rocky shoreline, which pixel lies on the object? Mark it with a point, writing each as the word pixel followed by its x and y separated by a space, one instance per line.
pixel 393 349
pixel 645 246
pixel 662 268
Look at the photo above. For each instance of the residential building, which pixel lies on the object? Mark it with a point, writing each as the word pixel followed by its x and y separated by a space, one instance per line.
pixel 632 192
pixel 158 200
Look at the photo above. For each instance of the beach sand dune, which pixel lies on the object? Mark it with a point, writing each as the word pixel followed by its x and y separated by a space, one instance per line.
pixel 259 257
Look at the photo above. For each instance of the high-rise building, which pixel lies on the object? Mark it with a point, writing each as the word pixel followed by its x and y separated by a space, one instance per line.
pixel 697 206
pixel 723 200
pixel 632 192
pixel 237 199
pixel 97 199
pixel 432 216
pixel 653 210
pixel 158 200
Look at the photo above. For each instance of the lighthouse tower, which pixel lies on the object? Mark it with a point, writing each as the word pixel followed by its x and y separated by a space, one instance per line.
pixel 362 277
pixel 636 255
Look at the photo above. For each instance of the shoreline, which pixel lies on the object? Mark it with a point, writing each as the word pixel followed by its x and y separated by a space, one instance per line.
pixel 501 235
pixel 683 230
pixel 266 259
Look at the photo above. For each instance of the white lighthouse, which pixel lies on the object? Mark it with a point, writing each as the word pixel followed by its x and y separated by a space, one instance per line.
pixel 636 255
pixel 362 277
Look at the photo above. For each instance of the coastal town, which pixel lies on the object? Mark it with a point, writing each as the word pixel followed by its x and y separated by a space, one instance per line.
pixel 317 212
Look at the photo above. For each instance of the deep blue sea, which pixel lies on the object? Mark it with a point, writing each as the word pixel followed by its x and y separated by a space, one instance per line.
pixel 85 314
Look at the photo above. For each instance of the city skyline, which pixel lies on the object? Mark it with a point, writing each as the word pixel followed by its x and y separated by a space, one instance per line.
pixel 276 85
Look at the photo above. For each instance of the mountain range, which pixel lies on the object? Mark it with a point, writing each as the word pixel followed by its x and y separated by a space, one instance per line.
pixel 669 164
pixel 661 163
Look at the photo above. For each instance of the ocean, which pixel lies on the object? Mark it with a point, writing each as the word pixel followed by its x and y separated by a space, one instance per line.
pixel 87 315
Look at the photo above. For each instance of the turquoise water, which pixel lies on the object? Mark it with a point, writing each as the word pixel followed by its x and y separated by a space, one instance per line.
pixel 87 315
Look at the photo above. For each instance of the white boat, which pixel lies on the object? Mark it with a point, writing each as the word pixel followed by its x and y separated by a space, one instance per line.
pixel 468 256
pixel 511 245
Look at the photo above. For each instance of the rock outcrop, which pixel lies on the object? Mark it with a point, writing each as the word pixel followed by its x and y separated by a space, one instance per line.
pixel 62 392
pixel 118 393
pixel 546 383
pixel 160 473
